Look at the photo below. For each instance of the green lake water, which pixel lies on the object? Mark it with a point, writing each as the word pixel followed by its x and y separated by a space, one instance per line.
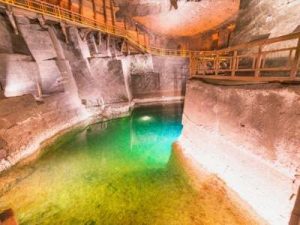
pixel 119 172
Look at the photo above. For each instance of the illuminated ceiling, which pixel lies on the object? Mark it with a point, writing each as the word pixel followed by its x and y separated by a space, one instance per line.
pixel 189 19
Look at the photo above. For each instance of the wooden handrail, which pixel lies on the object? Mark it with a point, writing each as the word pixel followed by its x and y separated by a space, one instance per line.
pixel 252 44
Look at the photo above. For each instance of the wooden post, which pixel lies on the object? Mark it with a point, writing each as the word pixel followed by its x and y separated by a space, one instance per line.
pixel 39 90
pixel 258 62
pixel 107 43
pixel 112 14
pixel 104 11
pixel 123 46
pixel 124 21
pixel 217 64
pixel 296 61
pixel 234 64
pixel 137 34
pixel 64 31
pixel 128 50
pixel 80 7
pixel 99 38
pixel 70 4
pixel 11 18
pixel 192 66
pixel 94 9
pixel 145 44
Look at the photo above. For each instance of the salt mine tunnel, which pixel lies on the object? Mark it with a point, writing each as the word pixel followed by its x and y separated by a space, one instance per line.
pixel 149 112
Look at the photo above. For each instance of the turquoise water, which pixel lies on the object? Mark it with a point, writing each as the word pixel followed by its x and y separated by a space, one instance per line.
pixel 120 172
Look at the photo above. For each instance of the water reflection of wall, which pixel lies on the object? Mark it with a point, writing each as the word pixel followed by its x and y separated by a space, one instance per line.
pixel 154 129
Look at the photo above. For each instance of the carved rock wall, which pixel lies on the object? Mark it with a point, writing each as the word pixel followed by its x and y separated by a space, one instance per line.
pixel 77 75
pixel 248 136
pixel 266 18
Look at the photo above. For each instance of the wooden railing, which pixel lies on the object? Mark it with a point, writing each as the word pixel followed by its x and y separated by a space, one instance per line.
pixel 135 36
pixel 126 29
pixel 275 59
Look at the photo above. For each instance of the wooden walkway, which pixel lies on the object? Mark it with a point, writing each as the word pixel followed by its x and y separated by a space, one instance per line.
pixel 268 60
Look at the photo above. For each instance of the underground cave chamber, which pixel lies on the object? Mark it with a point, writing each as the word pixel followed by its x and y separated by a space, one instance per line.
pixel 166 112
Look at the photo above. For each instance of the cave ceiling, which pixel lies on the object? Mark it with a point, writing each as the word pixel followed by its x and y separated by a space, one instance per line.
pixel 178 18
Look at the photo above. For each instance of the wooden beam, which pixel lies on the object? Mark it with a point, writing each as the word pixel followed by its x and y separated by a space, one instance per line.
pixel 124 21
pixel 137 34
pixel 145 44
pixel 99 38
pixel 296 62
pixel 258 62
pixel 216 66
pixel 112 11
pixel 261 42
pixel 69 4
pixel 107 42
pixel 248 79
pixel 123 46
pixel 11 18
pixel 80 8
pixel 104 11
pixel 234 63
pixel 59 2
pixel 64 31
pixel 94 9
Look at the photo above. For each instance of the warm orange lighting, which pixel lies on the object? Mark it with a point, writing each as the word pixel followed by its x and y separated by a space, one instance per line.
pixel 263 186
pixel 215 37
pixel 190 18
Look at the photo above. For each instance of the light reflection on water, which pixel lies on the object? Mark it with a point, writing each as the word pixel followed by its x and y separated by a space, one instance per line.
pixel 116 173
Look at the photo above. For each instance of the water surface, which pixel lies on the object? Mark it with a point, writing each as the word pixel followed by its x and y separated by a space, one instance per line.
pixel 119 172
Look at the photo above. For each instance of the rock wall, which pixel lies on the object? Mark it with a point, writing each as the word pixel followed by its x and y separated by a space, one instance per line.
pixel 155 76
pixel 266 18
pixel 174 72
pixel 18 74
pixel 109 76
pixel 57 74
pixel 248 136
pixel 54 76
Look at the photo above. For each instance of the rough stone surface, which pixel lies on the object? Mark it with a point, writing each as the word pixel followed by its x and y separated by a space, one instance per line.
pixel 190 17
pixel 76 85
pixel 264 118
pixel 145 85
pixel 10 42
pixel 42 47
pixel 248 136
pixel 108 74
pixel 26 125
pixel 173 72
pixel 18 74
pixel 154 76
pixel 133 64
pixel 266 18
pixel 50 76
pixel 5 37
